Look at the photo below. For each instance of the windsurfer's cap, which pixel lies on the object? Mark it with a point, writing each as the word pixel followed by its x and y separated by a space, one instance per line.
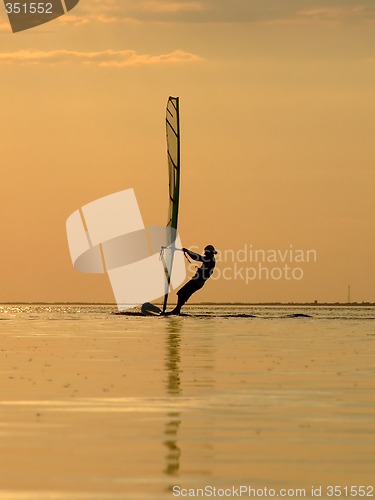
pixel 209 249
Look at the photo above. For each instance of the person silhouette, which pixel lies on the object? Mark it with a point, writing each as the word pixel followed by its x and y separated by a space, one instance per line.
pixel 199 279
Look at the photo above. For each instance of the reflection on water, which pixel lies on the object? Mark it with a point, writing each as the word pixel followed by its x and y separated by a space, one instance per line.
pixel 201 379
pixel 100 406
pixel 173 356
pixel 173 387
pixel 174 451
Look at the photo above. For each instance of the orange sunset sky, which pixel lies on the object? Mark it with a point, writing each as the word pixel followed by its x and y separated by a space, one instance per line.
pixel 277 104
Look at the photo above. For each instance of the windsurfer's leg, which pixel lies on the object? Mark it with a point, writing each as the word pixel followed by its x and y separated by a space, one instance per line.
pixel 180 303
pixel 185 293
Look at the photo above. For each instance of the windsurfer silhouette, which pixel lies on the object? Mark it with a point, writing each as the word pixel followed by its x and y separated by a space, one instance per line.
pixel 199 279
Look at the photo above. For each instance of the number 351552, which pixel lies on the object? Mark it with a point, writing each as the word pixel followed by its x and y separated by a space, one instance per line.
pixel 28 8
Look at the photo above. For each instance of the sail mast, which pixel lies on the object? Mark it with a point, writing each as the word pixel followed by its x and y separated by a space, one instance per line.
pixel 174 168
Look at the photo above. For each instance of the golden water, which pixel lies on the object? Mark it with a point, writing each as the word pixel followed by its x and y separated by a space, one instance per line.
pixel 95 405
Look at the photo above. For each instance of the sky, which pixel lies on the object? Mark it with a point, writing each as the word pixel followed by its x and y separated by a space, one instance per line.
pixel 277 115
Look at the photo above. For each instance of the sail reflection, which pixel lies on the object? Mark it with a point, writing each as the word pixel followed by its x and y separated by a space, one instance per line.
pixel 173 386
pixel 200 361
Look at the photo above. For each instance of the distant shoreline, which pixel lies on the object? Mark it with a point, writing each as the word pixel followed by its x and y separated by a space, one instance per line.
pixel 257 304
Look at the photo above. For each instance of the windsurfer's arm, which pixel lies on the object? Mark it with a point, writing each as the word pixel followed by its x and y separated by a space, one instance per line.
pixel 193 255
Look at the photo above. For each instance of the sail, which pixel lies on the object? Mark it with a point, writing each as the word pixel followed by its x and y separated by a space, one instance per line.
pixel 173 153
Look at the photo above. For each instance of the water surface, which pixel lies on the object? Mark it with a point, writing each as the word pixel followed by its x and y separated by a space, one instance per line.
pixel 96 405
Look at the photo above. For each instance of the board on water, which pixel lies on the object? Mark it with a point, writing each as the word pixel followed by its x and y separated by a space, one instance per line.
pixel 149 309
